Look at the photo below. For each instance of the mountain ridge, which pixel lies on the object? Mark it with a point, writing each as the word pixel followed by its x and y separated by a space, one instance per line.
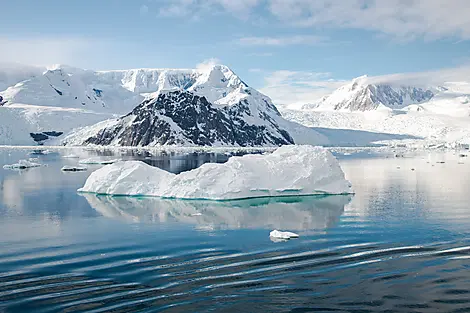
pixel 362 95
pixel 183 118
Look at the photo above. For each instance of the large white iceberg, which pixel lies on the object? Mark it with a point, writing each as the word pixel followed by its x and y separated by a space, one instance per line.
pixel 288 171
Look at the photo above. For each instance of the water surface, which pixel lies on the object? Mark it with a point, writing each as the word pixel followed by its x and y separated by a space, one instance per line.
pixel 399 245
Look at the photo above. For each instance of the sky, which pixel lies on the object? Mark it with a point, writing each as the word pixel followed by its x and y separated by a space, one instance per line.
pixel 292 50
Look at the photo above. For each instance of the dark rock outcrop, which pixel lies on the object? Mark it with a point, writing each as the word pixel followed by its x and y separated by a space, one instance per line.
pixel 181 117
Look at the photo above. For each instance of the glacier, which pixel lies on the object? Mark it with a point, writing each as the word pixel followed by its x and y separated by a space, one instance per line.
pixel 289 171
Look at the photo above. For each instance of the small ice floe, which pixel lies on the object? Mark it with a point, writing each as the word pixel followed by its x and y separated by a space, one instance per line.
pixel 70 156
pixel 40 152
pixel 277 235
pixel 98 161
pixel 73 169
pixel 21 165
pixel 196 214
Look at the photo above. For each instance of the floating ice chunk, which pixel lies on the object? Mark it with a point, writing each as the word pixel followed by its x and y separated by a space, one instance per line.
pixel 98 161
pixel 288 171
pixel 40 152
pixel 282 235
pixel 21 165
pixel 70 156
pixel 73 169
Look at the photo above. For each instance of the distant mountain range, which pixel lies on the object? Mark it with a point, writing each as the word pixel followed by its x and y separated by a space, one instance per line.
pixel 207 106
pixel 360 95
pixel 212 106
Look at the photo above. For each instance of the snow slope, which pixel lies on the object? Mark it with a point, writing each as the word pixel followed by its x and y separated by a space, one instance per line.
pixel 113 91
pixel 423 116
pixel 183 118
pixel 361 95
pixel 425 127
pixel 12 73
pixel 94 96
pixel 288 171
pixel 18 121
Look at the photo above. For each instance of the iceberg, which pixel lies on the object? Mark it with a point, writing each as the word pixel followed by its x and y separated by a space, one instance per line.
pixel 97 161
pixel 282 235
pixel 288 171
pixel 21 165
pixel 73 168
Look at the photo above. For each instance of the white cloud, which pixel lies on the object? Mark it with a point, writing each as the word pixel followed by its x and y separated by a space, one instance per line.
pixel 298 87
pixel 261 54
pixel 183 8
pixel 144 9
pixel 295 88
pixel 424 79
pixel 207 64
pixel 404 19
pixel 45 51
pixel 282 41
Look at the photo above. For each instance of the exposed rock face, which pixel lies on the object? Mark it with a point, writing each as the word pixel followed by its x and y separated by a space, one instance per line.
pixel 39 138
pixel 183 118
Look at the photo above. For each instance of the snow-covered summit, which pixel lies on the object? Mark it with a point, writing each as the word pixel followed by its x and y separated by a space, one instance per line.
pixel 184 118
pixel 363 95
pixel 111 91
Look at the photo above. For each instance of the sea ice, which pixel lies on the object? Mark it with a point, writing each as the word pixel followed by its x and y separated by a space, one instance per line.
pixel 98 161
pixel 283 235
pixel 73 169
pixel 21 165
pixel 288 171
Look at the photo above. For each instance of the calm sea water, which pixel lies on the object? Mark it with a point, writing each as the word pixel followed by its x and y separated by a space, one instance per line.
pixel 400 244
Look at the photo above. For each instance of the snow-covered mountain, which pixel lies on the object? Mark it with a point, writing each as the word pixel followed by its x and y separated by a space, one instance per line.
pixel 112 91
pixel 361 95
pixel 12 73
pixel 436 115
pixel 201 99
pixel 181 117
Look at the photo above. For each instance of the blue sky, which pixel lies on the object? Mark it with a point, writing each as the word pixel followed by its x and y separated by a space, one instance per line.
pixel 308 46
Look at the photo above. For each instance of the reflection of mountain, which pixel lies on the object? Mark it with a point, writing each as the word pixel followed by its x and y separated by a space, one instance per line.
pixel 293 213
